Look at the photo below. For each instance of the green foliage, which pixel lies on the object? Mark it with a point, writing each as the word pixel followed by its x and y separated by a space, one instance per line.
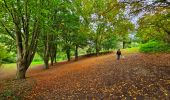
pixel 155 27
pixel 37 58
pixel 130 50
pixel 154 46
pixel 109 43
pixel 8 94
pixel 5 57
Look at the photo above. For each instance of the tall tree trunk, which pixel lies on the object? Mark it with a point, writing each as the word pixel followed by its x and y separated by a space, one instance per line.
pixel 97 51
pixel 55 57
pixel 52 61
pixel 124 44
pixel 97 48
pixel 53 53
pixel 46 52
pixel 76 52
pixel 21 70
pixel 46 60
pixel 68 54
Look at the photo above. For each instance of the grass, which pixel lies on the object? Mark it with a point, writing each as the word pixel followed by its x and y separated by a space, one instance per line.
pixel 130 50
pixel 12 66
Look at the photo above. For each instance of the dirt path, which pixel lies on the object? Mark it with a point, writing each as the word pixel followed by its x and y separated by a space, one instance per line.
pixel 137 76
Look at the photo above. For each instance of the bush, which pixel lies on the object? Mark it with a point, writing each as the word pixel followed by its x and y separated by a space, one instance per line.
pixel 154 46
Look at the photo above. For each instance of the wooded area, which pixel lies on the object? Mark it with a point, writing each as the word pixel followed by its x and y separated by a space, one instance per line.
pixel 52 26
pixel 52 31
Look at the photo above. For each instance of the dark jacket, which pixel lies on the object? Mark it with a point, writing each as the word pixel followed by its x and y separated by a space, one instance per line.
pixel 118 53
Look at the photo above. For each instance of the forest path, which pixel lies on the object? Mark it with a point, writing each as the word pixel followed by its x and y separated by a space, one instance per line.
pixel 140 76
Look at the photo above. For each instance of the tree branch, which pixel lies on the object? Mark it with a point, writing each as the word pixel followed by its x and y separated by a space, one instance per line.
pixel 8 31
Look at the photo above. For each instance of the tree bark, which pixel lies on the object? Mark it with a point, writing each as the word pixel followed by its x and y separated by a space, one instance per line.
pixel 46 60
pixel 52 61
pixel 21 70
pixel 124 44
pixel 68 54
pixel 46 51
pixel 97 49
pixel 55 57
pixel 76 52
pixel 53 53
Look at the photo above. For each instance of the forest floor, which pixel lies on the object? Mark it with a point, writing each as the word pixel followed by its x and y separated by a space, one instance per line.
pixel 136 76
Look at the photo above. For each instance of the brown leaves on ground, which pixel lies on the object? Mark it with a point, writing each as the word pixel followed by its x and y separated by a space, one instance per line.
pixel 15 89
pixel 137 76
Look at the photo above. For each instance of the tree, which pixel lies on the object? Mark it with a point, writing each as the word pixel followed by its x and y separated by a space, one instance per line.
pixel 154 20
pixel 109 42
pixel 150 6
pixel 99 16
pixel 69 24
pixel 79 39
pixel 155 27
pixel 47 46
pixel 24 19
pixel 123 28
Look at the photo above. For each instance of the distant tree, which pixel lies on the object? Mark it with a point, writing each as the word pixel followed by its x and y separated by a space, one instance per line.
pixel 47 47
pixel 100 17
pixel 123 28
pixel 79 40
pixel 71 35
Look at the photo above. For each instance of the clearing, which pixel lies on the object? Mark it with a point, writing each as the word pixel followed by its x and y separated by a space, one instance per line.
pixel 136 76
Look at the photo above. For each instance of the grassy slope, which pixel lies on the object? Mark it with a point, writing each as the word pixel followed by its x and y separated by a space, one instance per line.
pixel 12 66
pixel 130 50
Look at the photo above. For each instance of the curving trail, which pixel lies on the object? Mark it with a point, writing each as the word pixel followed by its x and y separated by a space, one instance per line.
pixel 137 76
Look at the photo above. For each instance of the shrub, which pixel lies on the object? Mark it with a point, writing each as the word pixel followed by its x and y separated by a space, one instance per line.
pixel 154 46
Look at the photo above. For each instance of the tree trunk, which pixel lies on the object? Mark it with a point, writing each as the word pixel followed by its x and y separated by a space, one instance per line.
pixel 68 54
pixel 97 51
pixel 52 61
pixel 76 52
pixel 52 54
pixel 23 64
pixel 97 48
pixel 46 60
pixel 21 70
pixel 55 58
pixel 124 44
pixel 21 74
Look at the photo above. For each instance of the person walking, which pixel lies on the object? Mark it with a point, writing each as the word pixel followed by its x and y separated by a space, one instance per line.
pixel 118 53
